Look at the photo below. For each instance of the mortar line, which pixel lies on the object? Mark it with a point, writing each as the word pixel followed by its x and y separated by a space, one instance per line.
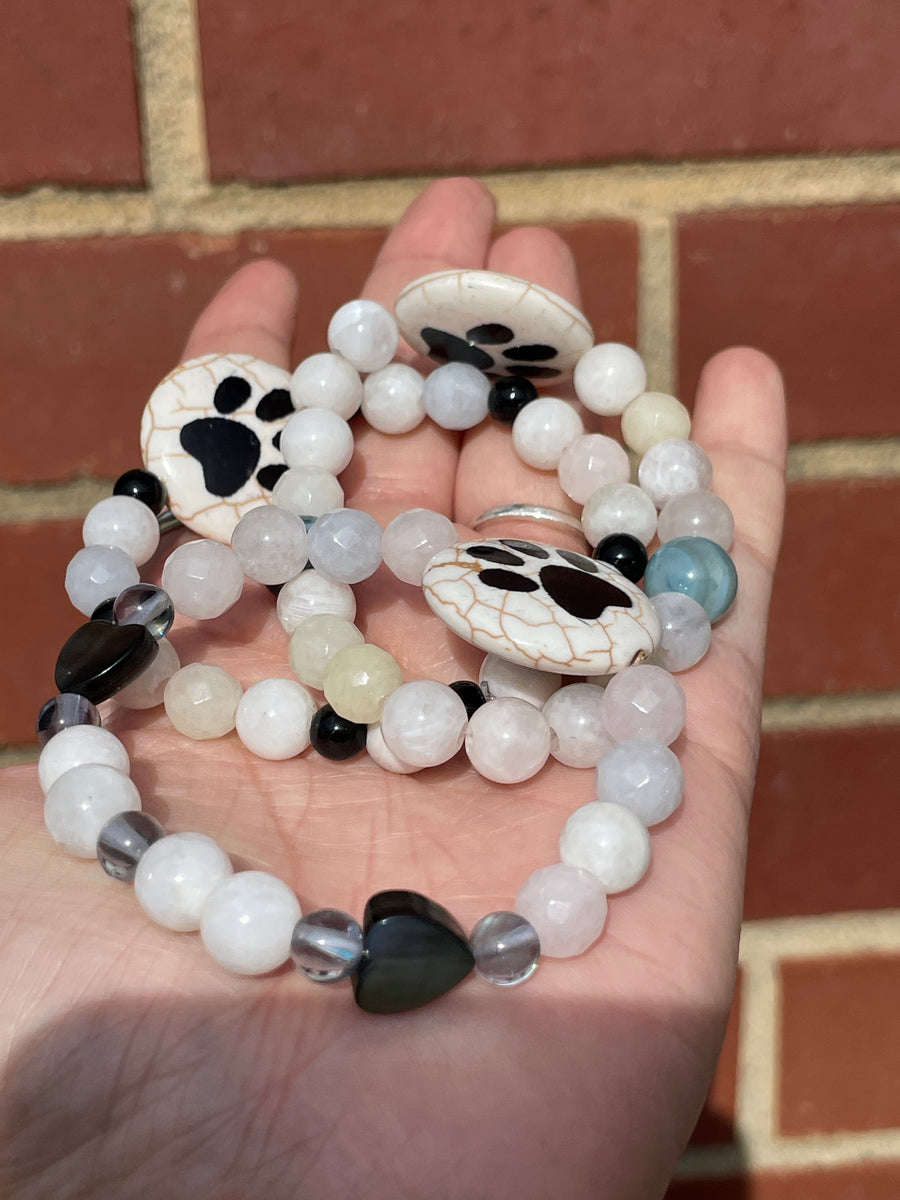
pixel 818 1151
pixel 824 935
pixel 657 307
pixel 852 710
pixel 758 1056
pixel 844 458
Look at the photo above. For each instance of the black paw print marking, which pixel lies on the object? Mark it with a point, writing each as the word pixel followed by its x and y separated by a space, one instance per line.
pixel 229 451
pixel 446 347
pixel 573 585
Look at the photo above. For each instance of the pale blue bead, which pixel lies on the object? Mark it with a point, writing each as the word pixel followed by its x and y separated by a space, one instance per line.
pixel 345 545
pixel 698 568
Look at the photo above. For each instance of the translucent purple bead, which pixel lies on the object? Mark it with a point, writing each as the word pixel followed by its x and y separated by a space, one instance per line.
pixel 144 604
pixel 123 840
pixel 62 712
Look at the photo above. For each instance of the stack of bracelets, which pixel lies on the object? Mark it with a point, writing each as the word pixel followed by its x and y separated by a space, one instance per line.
pixel 248 456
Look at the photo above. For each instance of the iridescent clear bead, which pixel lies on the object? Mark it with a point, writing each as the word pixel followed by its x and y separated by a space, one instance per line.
pixel 63 711
pixel 506 948
pixel 327 945
pixel 144 604
pixel 123 840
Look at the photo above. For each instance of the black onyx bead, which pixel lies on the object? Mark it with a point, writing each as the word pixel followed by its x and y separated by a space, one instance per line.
pixel 100 659
pixel 414 952
pixel 142 485
pixel 471 695
pixel 625 553
pixel 104 611
pixel 334 737
pixel 508 397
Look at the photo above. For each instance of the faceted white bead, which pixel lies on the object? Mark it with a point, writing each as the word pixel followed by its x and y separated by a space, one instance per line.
pixel 345 545
pixel 310 594
pixel 609 841
pixel 308 491
pixel 566 906
pixel 577 735
pixel 124 522
pixel 499 677
pixel 619 508
pixel 270 544
pixel 175 877
pixel 149 688
pixel 98 573
pixel 201 701
pixel 247 922
pixel 315 642
pixel 456 396
pixel 327 381
pixel 317 437
pixel 273 717
pixel 76 745
pixel 392 398
pixel 507 740
pixel 644 777
pixel 608 377
pixel 412 539
pixel 644 702
pixel 365 333
pixel 652 417
pixel 379 752
pixel 80 802
pixel 686 631
pixel 697 514
pixel 203 578
pixel 673 467
pixel 588 463
pixel 543 429
pixel 424 723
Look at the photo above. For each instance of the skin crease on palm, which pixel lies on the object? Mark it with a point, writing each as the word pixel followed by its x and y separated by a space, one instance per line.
pixel 135 1066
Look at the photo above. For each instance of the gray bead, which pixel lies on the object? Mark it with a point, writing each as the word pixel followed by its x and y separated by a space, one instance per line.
pixel 123 840
pixel 63 711
pixel 327 945
pixel 144 604
pixel 506 948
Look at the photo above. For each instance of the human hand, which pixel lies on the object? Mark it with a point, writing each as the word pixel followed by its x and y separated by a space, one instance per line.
pixel 136 1067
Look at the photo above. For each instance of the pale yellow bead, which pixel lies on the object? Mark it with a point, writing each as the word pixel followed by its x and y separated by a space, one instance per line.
pixel 358 681
pixel 652 417
pixel 201 701
pixel 315 643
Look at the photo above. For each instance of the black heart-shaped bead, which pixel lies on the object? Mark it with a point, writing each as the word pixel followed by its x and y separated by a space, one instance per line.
pixel 414 951
pixel 99 659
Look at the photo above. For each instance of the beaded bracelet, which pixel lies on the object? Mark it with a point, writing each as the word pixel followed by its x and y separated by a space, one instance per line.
pixel 247 454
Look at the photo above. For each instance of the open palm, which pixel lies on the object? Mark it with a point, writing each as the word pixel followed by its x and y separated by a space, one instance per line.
pixel 137 1067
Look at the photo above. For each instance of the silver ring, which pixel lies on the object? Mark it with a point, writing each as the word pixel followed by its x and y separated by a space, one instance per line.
pixel 528 512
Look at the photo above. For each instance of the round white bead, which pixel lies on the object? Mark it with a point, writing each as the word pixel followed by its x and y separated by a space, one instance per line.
pixel 609 841
pixel 76 745
pixel 80 802
pixel 686 631
pixel 380 753
pixel 507 740
pixel 566 906
pixel 201 701
pixel 311 593
pixel 392 398
pixel 608 377
pixel 273 718
pixel 619 508
pixel 424 723
pixel 697 514
pixel 203 578
pixel 270 544
pixel 543 429
pixel 124 522
pixel 247 922
pixel 456 396
pixel 317 437
pixel 652 417
pixel 149 688
pixel 644 777
pixel 345 545
pixel 308 491
pixel 365 333
pixel 673 467
pixel 327 381
pixel 176 875
pixel 644 702
pixel 577 736
pixel 588 463
pixel 499 677
pixel 99 573
pixel 412 539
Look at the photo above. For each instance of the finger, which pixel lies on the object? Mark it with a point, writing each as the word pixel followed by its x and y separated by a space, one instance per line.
pixel 253 313
pixel 490 472
pixel 448 225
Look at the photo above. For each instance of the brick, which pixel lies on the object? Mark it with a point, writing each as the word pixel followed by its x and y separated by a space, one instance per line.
pixel 715 1125
pixel 818 289
pixel 501 86
pixel 68 95
pixel 607 256
pixel 840 1039
pixel 837 587
pixel 859 1181
pixel 801 861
